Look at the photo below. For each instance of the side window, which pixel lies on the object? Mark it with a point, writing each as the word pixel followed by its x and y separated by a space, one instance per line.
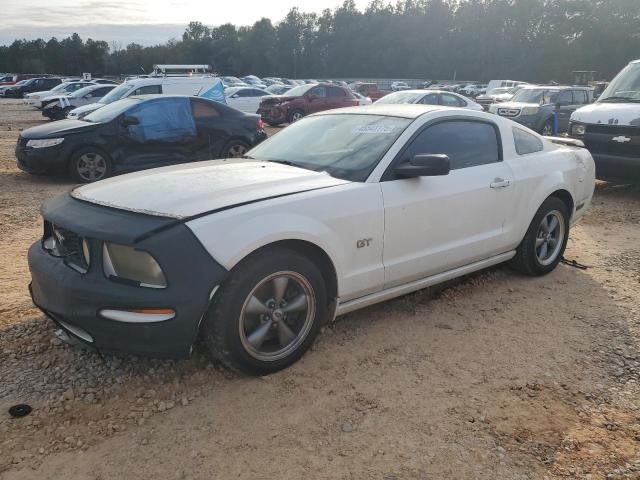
pixel 100 92
pixel 431 99
pixel 318 91
pixel 255 93
pixel 148 90
pixel 580 97
pixel 166 120
pixel 525 142
pixel 565 97
pixel 467 143
pixel 203 111
pixel 335 92
pixel 451 100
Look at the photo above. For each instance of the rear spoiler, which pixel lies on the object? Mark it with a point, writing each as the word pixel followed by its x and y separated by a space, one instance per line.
pixel 565 141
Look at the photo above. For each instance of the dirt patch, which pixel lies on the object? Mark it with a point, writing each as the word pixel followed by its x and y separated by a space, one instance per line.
pixel 495 376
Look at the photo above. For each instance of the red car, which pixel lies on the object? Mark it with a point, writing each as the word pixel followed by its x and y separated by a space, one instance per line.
pixel 13 79
pixel 303 100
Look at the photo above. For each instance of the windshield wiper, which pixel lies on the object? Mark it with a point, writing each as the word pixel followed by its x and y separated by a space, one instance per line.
pixel 285 162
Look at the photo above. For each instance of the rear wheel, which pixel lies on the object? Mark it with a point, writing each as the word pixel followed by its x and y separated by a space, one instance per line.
pixel 235 149
pixel 545 241
pixel 90 165
pixel 267 313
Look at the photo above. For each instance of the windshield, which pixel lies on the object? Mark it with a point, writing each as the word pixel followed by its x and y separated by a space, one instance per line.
pixel 299 90
pixel 541 96
pixel 347 146
pixel 625 87
pixel 400 97
pixel 116 94
pixel 498 91
pixel 81 92
pixel 111 111
pixel 60 87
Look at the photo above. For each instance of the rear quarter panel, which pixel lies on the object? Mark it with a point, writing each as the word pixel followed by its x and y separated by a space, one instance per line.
pixel 538 175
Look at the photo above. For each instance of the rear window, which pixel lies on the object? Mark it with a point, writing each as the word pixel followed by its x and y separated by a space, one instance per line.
pixel 526 142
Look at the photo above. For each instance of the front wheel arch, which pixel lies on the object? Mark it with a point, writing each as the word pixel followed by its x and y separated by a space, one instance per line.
pixel 315 254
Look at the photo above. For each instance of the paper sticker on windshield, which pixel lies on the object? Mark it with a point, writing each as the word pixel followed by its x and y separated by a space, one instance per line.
pixel 379 129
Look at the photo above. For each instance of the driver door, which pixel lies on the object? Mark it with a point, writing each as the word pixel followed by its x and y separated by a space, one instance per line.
pixel 435 224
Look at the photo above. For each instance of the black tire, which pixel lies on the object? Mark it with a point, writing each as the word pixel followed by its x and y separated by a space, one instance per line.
pixel 272 124
pixel 234 149
pixel 547 128
pixel 103 165
pixel 528 253
pixel 295 115
pixel 225 333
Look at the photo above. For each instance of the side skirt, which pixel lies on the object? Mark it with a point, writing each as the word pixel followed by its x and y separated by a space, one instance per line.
pixel 400 290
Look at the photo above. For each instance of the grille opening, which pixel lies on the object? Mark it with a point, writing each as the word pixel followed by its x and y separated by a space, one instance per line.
pixel 63 243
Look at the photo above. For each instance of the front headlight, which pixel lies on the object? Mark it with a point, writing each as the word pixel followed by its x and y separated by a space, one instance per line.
pixel 530 110
pixel 133 265
pixel 49 142
pixel 578 130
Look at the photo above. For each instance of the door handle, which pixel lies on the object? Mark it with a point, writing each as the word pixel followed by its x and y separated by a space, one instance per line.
pixel 500 183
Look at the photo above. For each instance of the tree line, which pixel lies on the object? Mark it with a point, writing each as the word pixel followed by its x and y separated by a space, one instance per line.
pixel 534 40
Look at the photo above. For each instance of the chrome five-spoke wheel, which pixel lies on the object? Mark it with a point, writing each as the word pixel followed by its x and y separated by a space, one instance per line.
pixel 550 237
pixel 277 316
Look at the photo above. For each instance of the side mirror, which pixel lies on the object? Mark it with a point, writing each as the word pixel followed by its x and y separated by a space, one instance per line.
pixel 235 95
pixel 128 121
pixel 428 165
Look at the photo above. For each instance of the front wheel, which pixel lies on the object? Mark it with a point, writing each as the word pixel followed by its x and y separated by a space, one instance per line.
pixel 545 241
pixel 267 313
pixel 547 129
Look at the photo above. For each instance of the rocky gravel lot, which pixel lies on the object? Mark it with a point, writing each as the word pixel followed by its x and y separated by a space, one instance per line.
pixel 496 376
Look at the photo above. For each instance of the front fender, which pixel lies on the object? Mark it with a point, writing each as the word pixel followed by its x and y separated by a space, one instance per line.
pixel 335 220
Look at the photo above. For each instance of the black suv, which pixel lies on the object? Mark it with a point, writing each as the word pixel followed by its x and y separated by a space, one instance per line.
pixel 34 85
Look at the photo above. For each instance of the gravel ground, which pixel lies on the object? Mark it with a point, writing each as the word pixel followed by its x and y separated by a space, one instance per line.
pixel 494 376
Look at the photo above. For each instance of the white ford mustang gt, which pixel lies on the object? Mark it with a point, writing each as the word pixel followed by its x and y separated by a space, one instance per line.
pixel 336 212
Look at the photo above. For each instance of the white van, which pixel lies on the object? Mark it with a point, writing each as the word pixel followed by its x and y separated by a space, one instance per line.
pixel 503 83
pixel 202 86
pixel 610 127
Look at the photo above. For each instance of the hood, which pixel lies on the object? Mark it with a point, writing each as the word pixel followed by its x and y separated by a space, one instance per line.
pixel 183 191
pixel 516 105
pixel 609 113
pixel 92 107
pixel 44 93
pixel 56 129
pixel 276 99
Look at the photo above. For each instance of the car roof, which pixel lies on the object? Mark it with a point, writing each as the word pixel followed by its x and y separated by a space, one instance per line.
pixel 388 110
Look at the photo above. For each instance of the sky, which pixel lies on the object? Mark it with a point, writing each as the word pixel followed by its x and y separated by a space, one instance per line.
pixel 147 22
